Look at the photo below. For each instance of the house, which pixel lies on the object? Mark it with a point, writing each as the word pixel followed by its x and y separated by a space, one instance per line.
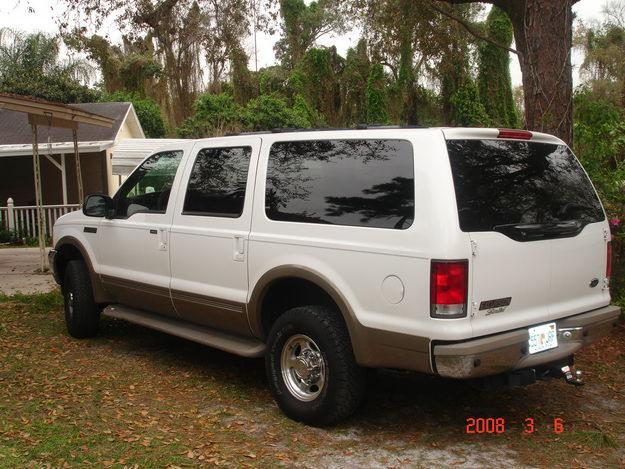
pixel 58 166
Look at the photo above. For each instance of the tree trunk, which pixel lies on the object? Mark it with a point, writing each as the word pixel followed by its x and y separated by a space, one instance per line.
pixel 543 31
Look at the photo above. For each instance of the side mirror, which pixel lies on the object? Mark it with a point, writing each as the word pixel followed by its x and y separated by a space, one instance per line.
pixel 98 205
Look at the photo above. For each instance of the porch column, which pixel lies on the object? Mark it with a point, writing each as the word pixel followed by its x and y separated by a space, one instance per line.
pixel 64 178
pixel 38 198
pixel 81 194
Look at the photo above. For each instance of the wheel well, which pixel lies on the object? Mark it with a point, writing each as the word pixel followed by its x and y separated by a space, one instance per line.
pixel 286 293
pixel 64 254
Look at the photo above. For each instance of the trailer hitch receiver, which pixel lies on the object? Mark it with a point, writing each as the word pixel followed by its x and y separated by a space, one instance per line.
pixel 572 376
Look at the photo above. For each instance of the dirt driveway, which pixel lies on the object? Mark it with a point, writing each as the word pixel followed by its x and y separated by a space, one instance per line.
pixel 19 272
pixel 133 397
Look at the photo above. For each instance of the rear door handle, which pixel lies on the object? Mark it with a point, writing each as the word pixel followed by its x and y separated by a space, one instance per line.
pixel 239 249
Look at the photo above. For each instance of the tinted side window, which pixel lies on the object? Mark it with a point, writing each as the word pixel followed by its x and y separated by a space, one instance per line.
pixel 217 182
pixel 345 182
pixel 501 182
pixel 148 188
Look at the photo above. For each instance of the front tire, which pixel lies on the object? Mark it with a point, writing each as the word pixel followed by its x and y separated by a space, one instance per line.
pixel 311 369
pixel 82 315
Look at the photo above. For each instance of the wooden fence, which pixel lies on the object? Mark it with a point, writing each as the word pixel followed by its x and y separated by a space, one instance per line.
pixel 23 220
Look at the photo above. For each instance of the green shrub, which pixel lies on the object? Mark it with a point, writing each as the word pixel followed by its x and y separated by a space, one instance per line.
pixel 148 112
pixel 270 112
pixel 599 143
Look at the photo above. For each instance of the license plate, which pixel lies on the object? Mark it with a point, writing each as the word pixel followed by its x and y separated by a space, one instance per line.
pixel 543 337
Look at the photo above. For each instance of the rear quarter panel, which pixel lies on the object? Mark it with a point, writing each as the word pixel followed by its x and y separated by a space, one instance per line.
pixel 356 260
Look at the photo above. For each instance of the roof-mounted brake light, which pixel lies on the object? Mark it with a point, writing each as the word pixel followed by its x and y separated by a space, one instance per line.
pixel 515 134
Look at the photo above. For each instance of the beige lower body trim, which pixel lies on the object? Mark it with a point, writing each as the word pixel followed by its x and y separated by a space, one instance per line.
pixel 197 309
pixel 211 312
pixel 375 348
pixel 140 295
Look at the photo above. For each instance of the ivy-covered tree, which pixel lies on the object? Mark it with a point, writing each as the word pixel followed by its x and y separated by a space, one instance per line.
pixel 469 111
pixel 242 83
pixel 494 82
pixel 454 64
pixel 406 80
pixel 317 77
pixel 604 60
pixel 303 24
pixel 354 85
pixel 377 99
pixel 543 32
pixel 191 40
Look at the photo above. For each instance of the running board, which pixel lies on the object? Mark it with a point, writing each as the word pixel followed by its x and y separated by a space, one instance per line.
pixel 242 346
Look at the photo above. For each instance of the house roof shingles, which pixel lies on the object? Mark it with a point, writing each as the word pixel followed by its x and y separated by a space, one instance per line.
pixel 15 130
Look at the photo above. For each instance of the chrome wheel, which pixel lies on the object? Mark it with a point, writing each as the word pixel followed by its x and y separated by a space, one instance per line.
pixel 303 367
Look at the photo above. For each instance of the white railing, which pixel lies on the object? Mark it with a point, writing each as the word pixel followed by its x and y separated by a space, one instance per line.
pixel 23 220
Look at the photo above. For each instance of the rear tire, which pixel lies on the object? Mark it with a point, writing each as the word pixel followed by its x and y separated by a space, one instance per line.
pixel 311 369
pixel 82 315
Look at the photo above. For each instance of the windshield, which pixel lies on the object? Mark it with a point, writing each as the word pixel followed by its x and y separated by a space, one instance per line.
pixel 502 183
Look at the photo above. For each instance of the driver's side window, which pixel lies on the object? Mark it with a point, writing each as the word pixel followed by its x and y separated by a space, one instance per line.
pixel 147 189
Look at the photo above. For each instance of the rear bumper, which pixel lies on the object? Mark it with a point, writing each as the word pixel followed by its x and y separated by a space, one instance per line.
pixel 509 350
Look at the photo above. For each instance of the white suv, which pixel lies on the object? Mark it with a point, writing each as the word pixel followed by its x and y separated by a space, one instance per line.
pixel 458 252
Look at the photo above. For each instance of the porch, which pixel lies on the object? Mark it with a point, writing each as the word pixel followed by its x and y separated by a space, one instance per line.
pixel 23 219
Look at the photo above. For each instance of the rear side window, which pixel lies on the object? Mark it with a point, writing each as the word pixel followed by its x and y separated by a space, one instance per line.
pixel 366 183
pixel 502 183
pixel 217 182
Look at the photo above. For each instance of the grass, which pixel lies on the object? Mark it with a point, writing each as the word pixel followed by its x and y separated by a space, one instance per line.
pixel 135 397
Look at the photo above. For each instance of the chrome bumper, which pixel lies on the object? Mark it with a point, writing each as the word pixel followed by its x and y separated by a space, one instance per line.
pixel 509 350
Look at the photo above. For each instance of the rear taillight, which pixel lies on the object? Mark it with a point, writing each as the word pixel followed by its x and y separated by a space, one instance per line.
pixel 448 289
pixel 608 265
pixel 515 134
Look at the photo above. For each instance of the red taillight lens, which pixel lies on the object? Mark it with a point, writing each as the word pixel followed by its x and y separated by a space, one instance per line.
pixel 448 289
pixel 608 265
pixel 515 134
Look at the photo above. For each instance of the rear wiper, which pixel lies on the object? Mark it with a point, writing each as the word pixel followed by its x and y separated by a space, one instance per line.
pixel 538 231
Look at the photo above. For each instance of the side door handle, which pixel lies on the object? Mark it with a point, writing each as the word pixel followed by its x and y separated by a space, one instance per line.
pixel 239 249
pixel 162 238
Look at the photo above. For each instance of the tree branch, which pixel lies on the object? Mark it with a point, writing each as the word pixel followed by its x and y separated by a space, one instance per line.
pixel 392 67
pixel 468 27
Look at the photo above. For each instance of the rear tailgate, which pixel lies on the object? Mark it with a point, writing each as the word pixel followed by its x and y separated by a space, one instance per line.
pixel 537 227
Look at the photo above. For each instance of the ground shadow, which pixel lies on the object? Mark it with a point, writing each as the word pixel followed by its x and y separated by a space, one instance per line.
pixel 396 400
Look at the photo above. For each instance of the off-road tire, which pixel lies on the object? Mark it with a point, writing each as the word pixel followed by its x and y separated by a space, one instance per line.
pixel 345 381
pixel 82 314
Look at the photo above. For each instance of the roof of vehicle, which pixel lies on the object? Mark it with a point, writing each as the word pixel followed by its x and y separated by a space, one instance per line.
pixel 450 133
pixel 132 152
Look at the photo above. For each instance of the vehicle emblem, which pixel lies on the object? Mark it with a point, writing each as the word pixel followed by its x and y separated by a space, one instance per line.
pixel 594 282
pixel 495 306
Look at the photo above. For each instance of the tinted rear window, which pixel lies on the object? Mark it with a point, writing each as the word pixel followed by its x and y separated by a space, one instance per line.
pixel 217 182
pixel 345 182
pixel 501 182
